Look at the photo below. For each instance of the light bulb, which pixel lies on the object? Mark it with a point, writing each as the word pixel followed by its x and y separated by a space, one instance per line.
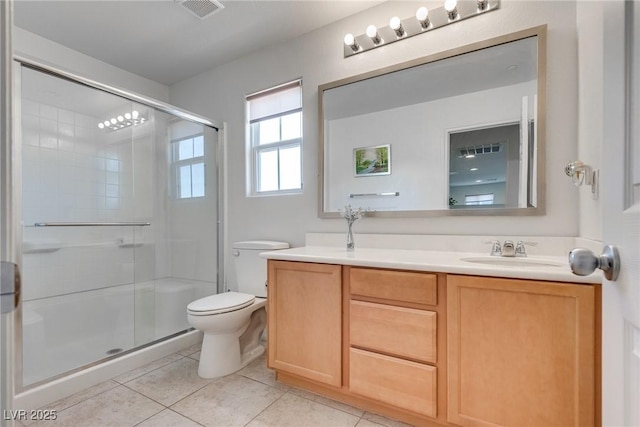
pixel 113 121
pixel 134 114
pixel 372 33
pixel 450 7
pixel 127 116
pixel 120 119
pixel 396 25
pixel 473 169
pixel 422 15
pixel 101 125
pixel 350 41
pixel 107 123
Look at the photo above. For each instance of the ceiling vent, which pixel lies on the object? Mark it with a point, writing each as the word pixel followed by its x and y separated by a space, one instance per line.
pixel 480 149
pixel 201 8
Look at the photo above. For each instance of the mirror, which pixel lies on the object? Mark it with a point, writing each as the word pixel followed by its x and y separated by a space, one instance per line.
pixel 456 133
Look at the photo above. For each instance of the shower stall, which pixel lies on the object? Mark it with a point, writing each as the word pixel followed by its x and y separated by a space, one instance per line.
pixel 120 221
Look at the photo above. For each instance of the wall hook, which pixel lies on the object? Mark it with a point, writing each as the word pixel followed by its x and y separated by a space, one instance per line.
pixel 582 173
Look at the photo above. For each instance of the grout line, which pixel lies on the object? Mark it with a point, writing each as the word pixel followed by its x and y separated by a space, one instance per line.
pixel 151 416
pixel 267 407
pixel 182 415
pixel 148 372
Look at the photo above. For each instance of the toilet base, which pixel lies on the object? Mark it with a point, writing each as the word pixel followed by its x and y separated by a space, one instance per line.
pixel 221 356
pixel 224 354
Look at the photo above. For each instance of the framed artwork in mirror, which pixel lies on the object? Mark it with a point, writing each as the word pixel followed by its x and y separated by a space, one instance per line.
pixel 370 161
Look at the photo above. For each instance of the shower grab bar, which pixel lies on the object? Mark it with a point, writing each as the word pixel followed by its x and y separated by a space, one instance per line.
pixel 92 224
pixel 354 195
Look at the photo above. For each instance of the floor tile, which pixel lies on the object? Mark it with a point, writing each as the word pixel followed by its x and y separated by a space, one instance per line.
pixel 135 373
pixel 170 383
pixel 379 419
pixel 118 407
pixel 168 418
pixel 326 401
pixel 190 350
pixel 228 401
pixel 76 398
pixel 195 356
pixel 257 370
pixel 367 423
pixel 295 411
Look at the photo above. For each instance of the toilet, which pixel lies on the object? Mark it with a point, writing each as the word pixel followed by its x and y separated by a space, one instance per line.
pixel 232 322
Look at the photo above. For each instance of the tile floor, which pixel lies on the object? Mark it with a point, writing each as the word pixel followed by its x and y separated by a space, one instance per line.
pixel 168 393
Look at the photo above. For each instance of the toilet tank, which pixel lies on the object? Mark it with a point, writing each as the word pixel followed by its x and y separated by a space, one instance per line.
pixel 251 270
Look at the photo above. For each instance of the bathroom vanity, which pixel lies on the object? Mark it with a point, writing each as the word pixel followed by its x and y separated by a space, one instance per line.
pixel 429 339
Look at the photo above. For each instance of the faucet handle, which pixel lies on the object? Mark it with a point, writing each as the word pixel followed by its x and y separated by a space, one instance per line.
pixel 520 247
pixel 496 248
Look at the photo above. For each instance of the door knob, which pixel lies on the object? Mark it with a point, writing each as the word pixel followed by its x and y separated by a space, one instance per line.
pixel 583 262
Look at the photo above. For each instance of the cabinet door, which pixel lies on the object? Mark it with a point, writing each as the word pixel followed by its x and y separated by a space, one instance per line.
pixel 305 320
pixel 521 353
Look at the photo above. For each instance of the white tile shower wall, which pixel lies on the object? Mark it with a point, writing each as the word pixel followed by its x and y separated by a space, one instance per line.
pixel 73 172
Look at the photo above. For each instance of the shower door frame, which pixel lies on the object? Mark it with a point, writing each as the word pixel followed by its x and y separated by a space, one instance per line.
pixel 16 196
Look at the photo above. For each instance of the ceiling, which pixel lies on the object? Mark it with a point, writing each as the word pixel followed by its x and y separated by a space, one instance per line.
pixel 162 41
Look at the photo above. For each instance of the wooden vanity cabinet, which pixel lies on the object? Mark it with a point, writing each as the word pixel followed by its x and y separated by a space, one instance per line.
pixel 305 320
pixel 521 352
pixel 393 355
pixel 438 349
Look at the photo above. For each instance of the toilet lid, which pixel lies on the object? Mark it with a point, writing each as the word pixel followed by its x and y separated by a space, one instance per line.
pixel 221 303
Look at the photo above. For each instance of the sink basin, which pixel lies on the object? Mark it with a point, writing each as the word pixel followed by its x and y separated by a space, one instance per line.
pixel 513 262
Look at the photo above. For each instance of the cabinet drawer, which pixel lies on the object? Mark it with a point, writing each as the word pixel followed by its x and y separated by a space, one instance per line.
pixel 400 331
pixel 404 384
pixel 420 288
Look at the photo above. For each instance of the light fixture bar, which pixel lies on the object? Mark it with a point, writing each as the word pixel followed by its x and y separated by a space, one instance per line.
pixel 437 17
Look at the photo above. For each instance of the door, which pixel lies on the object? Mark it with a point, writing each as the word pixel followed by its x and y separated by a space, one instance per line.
pixel 8 282
pixel 621 213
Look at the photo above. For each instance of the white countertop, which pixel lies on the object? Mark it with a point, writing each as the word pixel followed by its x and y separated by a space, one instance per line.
pixel 434 261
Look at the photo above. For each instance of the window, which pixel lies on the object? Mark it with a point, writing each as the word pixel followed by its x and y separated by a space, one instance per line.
pixel 275 139
pixel 188 155
pixel 479 199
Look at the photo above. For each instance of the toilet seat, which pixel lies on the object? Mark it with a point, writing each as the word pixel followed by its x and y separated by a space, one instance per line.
pixel 220 303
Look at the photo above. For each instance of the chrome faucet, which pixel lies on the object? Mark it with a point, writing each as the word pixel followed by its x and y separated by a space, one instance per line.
pixel 508 249
pixel 520 248
pixel 496 249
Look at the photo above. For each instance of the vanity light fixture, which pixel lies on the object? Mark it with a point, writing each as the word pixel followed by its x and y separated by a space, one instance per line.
pixel 372 33
pixel 122 121
pixel 451 6
pixel 422 15
pixel 396 25
pixel 450 12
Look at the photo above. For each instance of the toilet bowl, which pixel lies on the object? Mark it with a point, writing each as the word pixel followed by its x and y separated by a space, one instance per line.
pixel 232 322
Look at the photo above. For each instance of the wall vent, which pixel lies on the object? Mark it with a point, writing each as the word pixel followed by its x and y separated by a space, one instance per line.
pixel 201 8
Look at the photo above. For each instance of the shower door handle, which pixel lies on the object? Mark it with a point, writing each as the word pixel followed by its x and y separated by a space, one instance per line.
pixel 10 285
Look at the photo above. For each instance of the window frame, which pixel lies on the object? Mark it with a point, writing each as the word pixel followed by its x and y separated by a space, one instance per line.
pixel 176 164
pixel 479 202
pixel 254 148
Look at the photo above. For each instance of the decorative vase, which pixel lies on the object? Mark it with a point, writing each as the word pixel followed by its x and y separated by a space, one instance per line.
pixel 350 242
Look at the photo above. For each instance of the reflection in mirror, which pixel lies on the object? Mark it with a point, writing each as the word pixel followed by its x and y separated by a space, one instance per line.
pixel 485 166
pixel 461 130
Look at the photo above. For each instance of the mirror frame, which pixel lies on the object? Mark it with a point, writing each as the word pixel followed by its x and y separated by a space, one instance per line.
pixel 538 31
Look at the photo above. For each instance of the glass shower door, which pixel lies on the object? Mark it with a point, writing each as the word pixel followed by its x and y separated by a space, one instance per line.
pixel 79 225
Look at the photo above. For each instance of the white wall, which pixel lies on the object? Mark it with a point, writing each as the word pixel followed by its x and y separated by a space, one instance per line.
pixel 317 57
pixel 33 46
pixel 419 147
pixel 590 101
